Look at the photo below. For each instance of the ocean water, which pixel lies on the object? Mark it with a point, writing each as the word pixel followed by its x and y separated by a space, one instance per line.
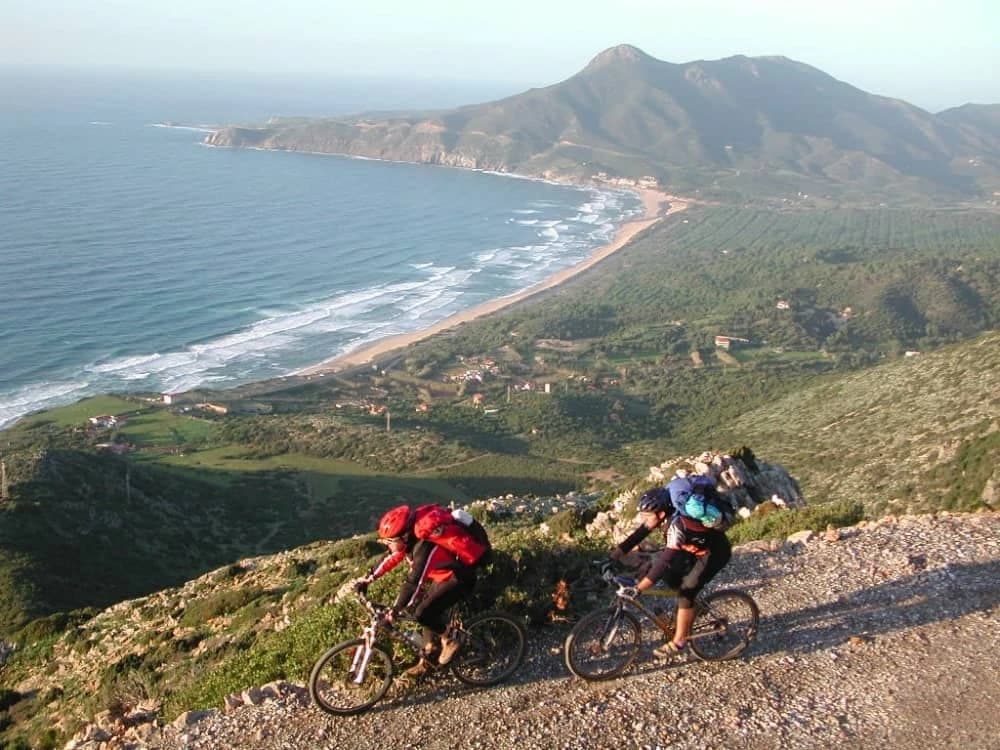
pixel 133 258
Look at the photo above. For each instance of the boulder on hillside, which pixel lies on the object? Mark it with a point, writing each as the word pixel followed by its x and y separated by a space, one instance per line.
pixel 741 478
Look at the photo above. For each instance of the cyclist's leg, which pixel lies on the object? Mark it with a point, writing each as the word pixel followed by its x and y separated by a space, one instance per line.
pixel 704 570
pixel 433 611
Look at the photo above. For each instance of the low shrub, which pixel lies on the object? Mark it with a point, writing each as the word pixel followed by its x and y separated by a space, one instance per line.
pixel 782 523
pixel 219 603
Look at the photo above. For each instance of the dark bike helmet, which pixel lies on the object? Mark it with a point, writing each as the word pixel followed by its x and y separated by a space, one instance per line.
pixel 654 500
pixel 396 522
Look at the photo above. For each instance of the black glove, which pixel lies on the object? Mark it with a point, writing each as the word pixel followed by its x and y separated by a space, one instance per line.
pixel 361 585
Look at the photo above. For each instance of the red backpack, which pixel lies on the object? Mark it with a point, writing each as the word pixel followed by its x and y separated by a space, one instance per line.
pixel 437 525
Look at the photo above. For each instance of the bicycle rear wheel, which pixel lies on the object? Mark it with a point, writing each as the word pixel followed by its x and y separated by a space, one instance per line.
pixel 335 689
pixel 603 645
pixel 493 648
pixel 724 625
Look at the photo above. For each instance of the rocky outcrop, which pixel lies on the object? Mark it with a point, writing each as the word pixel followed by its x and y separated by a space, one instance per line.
pixel 746 482
pixel 422 142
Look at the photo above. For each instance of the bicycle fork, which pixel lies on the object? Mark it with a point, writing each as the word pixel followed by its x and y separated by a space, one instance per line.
pixel 362 657
pixel 611 629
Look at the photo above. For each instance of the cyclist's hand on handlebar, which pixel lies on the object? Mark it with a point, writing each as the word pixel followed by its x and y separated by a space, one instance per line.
pixel 360 585
pixel 629 592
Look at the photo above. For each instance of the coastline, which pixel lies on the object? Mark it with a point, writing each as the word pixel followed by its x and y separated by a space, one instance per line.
pixel 652 201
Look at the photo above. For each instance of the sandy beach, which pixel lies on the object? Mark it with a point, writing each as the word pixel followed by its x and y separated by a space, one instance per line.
pixel 652 201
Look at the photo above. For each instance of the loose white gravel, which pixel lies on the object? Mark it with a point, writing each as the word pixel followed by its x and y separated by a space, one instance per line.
pixel 886 637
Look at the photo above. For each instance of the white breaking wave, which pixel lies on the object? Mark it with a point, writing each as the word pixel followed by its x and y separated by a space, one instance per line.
pixel 32 398
pixel 348 318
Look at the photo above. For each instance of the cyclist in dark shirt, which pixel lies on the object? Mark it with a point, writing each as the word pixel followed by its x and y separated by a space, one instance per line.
pixel 694 554
pixel 436 581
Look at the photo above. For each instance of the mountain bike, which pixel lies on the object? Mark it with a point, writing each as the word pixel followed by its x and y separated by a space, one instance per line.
pixel 604 643
pixel 355 675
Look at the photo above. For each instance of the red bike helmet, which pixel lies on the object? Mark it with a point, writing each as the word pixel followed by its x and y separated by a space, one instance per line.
pixel 395 522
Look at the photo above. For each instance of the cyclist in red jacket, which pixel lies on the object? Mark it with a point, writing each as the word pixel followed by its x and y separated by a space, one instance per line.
pixel 438 579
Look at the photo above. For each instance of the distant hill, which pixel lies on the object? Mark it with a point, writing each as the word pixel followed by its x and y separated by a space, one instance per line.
pixel 917 434
pixel 740 125
pixel 984 117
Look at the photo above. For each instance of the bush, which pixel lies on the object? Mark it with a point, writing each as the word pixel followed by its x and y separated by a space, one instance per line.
pixel 219 603
pixel 8 698
pixel 289 654
pixel 357 548
pixel 782 523
pixel 570 520
pixel 299 568
pixel 53 625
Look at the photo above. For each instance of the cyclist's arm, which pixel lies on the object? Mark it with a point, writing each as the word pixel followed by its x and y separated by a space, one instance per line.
pixel 633 539
pixel 387 563
pixel 658 567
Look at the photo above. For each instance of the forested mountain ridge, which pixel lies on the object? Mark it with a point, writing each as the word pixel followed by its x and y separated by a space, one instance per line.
pixel 739 126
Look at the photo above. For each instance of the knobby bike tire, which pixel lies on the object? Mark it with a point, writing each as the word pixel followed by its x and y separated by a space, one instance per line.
pixel 332 688
pixel 493 649
pixel 585 650
pixel 726 622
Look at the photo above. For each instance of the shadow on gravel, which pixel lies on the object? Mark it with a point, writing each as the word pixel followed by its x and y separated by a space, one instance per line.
pixel 930 596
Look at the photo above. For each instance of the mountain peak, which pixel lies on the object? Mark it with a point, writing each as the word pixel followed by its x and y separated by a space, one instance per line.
pixel 623 53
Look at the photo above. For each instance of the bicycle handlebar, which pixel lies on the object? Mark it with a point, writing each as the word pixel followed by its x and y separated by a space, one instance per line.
pixel 608 574
pixel 607 569
pixel 374 608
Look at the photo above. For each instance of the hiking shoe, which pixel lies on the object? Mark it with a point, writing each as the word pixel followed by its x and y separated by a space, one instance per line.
pixel 418 670
pixel 449 647
pixel 670 651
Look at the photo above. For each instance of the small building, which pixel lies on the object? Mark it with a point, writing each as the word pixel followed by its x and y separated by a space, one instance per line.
pixel 478 398
pixel 729 342
pixel 423 408
pixel 783 304
pixel 214 408
pixel 104 421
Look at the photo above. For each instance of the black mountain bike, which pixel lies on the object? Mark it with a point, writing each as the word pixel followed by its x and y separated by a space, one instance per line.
pixel 604 643
pixel 355 675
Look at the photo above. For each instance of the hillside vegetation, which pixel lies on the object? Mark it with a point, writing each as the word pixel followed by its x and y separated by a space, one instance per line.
pixel 627 352
pixel 740 127
pixel 914 435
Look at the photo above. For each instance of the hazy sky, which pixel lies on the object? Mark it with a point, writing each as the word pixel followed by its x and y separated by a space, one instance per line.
pixel 934 54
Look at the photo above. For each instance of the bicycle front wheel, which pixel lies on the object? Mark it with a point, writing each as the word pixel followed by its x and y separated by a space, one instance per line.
pixel 603 645
pixel 493 649
pixel 338 690
pixel 724 625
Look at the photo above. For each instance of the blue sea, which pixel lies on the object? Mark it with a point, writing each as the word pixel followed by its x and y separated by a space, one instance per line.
pixel 136 259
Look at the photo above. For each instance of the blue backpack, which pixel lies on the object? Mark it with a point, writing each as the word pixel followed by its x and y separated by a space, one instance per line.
pixel 695 497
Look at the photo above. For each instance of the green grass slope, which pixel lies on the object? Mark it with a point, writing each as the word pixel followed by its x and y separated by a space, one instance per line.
pixel 912 435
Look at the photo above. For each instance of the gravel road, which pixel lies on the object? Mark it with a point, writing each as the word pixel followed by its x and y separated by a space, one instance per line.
pixel 885 635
